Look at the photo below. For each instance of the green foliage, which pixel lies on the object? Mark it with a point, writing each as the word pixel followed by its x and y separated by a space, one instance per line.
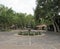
pixel 29 33
pixel 47 10
pixel 30 21
pixel 8 17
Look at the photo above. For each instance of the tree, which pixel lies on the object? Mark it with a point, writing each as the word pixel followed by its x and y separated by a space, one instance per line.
pixel 30 20
pixel 6 16
pixel 47 10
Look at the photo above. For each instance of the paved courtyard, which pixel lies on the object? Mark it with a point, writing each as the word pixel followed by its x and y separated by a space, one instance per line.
pixel 9 40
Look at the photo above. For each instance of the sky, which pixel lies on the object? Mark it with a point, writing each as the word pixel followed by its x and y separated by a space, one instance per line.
pixel 24 6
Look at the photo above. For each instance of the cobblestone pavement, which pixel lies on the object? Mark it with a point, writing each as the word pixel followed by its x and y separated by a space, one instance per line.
pixel 8 40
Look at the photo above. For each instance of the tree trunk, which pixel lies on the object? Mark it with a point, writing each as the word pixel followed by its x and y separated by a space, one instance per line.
pixel 57 27
pixel 54 27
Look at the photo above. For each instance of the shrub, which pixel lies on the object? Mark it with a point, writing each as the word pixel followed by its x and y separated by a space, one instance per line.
pixel 20 33
pixel 29 33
